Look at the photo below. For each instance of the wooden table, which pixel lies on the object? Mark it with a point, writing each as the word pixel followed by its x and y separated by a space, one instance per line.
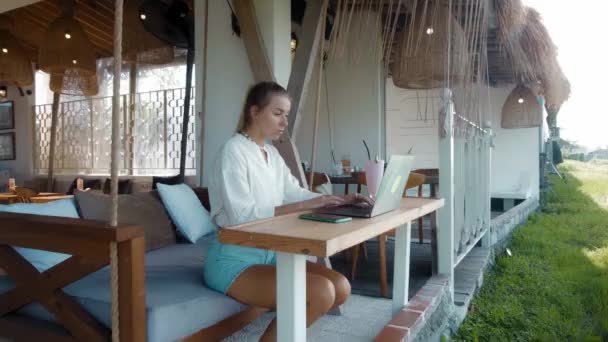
pixel 42 197
pixel 7 198
pixel 46 199
pixel 293 239
pixel 347 180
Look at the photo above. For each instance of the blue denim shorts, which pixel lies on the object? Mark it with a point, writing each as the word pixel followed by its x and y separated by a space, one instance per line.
pixel 225 263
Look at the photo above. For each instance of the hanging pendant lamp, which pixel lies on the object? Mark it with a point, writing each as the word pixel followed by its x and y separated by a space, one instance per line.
pixel 69 84
pixel 521 109
pixel 422 57
pixel 15 66
pixel 67 53
pixel 69 57
pixel 139 46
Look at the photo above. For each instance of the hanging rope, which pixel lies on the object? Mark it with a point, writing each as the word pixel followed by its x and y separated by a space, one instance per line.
pixel 318 100
pixel 330 121
pixel 118 9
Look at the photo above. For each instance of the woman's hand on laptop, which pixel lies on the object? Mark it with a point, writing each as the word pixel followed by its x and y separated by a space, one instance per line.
pixel 311 204
pixel 356 198
pixel 324 201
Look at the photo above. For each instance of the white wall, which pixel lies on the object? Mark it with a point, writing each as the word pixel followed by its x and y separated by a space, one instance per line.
pixel 355 105
pixel 515 159
pixel 228 78
pixel 274 19
pixel 8 5
pixel 228 71
pixel 21 168
pixel 411 123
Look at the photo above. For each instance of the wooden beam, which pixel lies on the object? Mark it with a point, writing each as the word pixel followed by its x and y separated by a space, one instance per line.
pixel 253 40
pixel 307 53
pixel 132 290
pixel 45 231
pixel 73 317
pixel 228 326
pixel 301 71
pixel 57 277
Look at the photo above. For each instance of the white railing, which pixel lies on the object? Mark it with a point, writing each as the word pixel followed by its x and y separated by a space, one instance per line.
pixel 150 139
pixel 464 183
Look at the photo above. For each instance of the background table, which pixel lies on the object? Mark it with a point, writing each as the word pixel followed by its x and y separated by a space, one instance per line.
pixel 46 199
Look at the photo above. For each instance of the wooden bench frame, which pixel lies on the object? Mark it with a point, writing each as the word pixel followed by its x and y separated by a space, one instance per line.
pixel 89 244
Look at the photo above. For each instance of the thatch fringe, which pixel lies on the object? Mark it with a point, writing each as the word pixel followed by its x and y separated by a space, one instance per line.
pixel 526 42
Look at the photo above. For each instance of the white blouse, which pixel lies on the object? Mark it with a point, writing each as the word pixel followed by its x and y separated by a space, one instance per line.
pixel 245 187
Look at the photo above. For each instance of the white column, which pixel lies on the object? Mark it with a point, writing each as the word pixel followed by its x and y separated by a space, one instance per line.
pixel 291 297
pixel 274 20
pixel 487 220
pixel 401 278
pixel 445 215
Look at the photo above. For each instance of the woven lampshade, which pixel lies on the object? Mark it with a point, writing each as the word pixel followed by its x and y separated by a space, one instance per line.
pixel 139 45
pixel 59 54
pixel 70 84
pixel 15 66
pixel 422 58
pixel 521 109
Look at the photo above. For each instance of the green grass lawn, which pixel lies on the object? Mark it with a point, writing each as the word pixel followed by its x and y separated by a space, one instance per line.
pixel 555 286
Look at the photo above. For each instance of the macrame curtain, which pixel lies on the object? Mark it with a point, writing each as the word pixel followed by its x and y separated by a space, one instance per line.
pixel 139 46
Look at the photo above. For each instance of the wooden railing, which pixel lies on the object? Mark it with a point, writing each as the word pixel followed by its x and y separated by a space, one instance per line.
pixel 90 245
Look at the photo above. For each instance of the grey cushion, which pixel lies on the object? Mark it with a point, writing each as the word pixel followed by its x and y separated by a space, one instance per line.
pixel 178 303
pixel 139 208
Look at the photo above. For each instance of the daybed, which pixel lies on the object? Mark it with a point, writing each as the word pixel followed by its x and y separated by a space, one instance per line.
pixel 178 305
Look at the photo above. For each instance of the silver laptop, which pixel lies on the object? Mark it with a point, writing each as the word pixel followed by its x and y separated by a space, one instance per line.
pixel 389 193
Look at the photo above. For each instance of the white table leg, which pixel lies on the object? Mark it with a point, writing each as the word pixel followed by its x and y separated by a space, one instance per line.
pixel 401 281
pixel 291 297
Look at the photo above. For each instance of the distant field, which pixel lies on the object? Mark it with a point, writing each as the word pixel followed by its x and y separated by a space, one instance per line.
pixel 554 286
pixel 594 178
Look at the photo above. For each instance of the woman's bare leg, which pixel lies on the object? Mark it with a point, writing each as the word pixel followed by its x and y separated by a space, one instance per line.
pixel 257 286
pixel 340 282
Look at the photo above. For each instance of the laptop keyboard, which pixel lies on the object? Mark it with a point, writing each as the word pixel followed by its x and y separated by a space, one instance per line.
pixel 355 208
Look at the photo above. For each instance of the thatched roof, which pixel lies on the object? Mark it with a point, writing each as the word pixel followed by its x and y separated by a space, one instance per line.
pixel 96 17
pixel 525 43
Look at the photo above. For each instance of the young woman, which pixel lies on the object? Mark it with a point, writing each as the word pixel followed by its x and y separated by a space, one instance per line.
pixel 250 181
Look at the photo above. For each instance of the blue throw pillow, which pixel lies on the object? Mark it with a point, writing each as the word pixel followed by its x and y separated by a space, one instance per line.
pixel 187 213
pixel 43 260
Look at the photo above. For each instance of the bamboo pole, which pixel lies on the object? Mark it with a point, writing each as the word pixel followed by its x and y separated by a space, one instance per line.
pixel 118 7
pixel 116 110
pixel 130 122
pixel 53 143
pixel 203 88
pixel 318 100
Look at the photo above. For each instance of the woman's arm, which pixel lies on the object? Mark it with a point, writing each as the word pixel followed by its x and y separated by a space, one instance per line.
pixel 311 204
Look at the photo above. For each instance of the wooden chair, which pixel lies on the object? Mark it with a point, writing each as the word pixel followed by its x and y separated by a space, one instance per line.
pixel 414 180
pixel 318 178
pixel 433 193
pixel 24 194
